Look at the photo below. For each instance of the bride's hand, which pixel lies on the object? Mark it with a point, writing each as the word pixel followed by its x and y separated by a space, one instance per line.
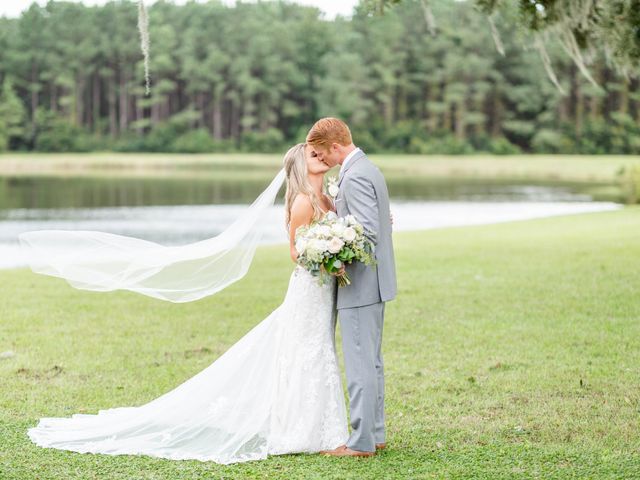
pixel 337 273
pixel 340 272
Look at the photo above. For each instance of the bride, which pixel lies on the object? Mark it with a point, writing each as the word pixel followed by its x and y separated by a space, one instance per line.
pixel 277 390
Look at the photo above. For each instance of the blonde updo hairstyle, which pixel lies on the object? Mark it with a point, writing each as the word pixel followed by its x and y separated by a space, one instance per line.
pixel 297 181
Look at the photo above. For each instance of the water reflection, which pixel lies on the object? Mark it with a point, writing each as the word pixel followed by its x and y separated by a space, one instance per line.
pixel 90 192
pixel 174 211
pixel 70 192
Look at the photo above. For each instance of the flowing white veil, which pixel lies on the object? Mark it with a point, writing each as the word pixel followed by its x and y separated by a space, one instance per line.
pixel 100 261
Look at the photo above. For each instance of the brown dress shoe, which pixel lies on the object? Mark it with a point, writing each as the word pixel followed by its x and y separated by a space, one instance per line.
pixel 344 451
pixel 326 452
pixel 381 446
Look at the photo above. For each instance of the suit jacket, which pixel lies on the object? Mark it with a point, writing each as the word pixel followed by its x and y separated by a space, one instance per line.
pixel 363 193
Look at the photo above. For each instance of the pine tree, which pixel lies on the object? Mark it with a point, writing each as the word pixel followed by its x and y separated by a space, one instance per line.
pixel 12 116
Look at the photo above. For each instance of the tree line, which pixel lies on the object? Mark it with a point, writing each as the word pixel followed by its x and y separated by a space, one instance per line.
pixel 254 77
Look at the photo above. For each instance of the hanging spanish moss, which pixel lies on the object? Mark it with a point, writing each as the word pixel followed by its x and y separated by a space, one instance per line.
pixel 570 46
pixel 539 44
pixel 578 17
pixel 496 35
pixel 428 17
pixel 143 27
pixel 582 27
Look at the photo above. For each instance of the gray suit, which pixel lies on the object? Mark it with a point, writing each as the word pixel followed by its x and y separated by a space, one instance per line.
pixel 363 194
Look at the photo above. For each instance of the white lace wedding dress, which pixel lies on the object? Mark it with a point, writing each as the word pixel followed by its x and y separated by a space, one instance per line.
pixel 277 390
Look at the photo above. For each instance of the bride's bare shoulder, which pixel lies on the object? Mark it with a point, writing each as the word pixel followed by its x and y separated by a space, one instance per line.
pixel 301 208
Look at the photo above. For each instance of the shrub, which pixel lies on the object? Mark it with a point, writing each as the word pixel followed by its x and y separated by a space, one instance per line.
pixel 398 137
pixel 629 177
pixel 195 141
pixel 130 142
pixel 61 136
pixel 162 136
pixel 269 141
pixel 502 146
pixel 444 145
pixel 551 141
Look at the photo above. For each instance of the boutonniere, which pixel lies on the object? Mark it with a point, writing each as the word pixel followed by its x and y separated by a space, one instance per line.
pixel 332 187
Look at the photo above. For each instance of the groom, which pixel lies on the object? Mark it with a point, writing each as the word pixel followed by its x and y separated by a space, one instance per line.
pixel 363 194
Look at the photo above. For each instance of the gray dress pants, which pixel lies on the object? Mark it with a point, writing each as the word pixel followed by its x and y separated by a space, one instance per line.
pixel 361 329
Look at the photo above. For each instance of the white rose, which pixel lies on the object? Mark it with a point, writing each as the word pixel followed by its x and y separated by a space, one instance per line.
pixel 320 245
pixel 331 215
pixel 335 244
pixel 333 190
pixel 351 220
pixel 349 234
pixel 324 230
pixel 337 229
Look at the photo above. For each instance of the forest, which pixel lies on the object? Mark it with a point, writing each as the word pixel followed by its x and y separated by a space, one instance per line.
pixel 254 77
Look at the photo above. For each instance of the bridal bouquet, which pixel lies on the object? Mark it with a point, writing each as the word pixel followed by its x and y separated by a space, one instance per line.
pixel 328 244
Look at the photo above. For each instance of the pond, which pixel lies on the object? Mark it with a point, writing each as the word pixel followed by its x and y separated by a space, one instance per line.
pixel 180 210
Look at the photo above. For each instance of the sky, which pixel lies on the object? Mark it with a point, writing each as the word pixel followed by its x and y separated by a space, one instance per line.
pixel 13 8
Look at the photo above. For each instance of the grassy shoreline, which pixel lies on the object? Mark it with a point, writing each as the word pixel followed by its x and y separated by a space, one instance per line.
pixel 580 168
pixel 512 351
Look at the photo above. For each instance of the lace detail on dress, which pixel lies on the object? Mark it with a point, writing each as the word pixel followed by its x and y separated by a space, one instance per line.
pixel 310 387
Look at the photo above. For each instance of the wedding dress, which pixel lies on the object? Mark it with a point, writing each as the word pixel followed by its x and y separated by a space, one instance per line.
pixel 276 391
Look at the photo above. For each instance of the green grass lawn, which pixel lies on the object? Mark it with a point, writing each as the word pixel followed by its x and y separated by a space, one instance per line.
pixel 512 351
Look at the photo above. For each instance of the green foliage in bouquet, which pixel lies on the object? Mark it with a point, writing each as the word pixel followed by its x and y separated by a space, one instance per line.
pixel 327 245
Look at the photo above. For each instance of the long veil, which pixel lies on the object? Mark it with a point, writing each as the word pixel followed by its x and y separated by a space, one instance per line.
pixel 100 261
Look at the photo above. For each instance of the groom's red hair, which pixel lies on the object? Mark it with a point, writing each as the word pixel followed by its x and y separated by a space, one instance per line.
pixel 327 131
